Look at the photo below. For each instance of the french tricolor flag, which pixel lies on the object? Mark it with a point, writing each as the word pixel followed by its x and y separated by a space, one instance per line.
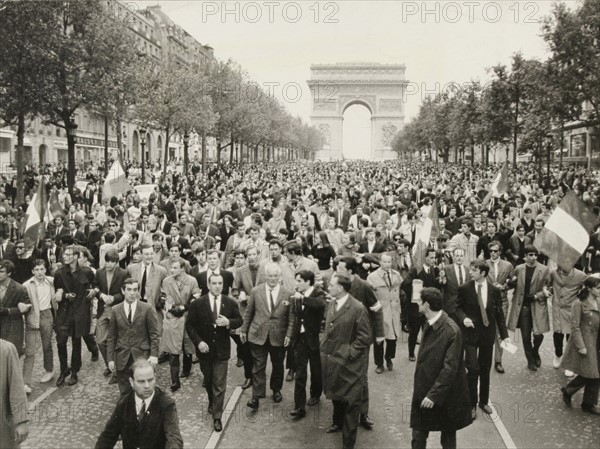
pixel 566 234
pixel 116 182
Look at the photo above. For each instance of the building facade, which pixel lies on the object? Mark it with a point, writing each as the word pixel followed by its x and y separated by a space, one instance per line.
pixel 158 37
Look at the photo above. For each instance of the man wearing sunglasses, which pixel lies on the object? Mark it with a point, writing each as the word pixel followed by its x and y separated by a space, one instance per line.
pixel 501 271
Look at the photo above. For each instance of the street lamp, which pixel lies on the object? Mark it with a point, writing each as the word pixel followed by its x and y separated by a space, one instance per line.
pixel 186 158
pixel 143 144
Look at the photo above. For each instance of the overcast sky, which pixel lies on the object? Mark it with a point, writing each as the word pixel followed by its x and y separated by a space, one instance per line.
pixel 439 42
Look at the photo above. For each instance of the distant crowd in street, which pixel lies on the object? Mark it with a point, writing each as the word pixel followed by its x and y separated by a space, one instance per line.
pixel 309 264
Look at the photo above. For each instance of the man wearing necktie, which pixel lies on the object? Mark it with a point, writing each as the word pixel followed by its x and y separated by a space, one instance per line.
pixel 309 303
pixel 268 326
pixel 456 275
pixel 479 311
pixel 146 417
pixel 386 284
pixel 501 271
pixel 209 321
pixel 133 334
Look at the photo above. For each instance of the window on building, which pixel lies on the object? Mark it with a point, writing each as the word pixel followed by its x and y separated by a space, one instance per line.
pixel 57 132
pixel 578 142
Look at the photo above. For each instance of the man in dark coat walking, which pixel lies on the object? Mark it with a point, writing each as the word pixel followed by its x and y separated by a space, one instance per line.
pixel 145 417
pixel 345 357
pixel 441 394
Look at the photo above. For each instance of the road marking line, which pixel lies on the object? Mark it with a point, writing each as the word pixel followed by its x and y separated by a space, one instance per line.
pixel 213 441
pixel 43 396
pixel 501 428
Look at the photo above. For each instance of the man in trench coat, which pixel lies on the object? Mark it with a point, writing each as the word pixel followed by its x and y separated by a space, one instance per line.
pixel 344 357
pixel 441 394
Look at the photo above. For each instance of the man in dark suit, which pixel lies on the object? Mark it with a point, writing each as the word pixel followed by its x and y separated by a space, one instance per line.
pixel 133 334
pixel 214 267
pixel 50 253
pixel 60 231
pixel 268 326
pixel 186 248
pixel 345 357
pixel 242 210
pixel 169 207
pixel 163 225
pixel 14 303
pixel 429 274
pixel 515 252
pixel 479 313
pixel 7 248
pixel 501 271
pixel 309 304
pixel 145 417
pixel 208 324
pixel 109 281
pixel 371 245
pixel 341 214
pixel 78 236
pixel 456 275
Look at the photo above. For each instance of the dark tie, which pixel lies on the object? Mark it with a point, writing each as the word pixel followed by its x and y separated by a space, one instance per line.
pixel 389 280
pixel 335 306
pixel 143 288
pixel 215 310
pixel 482 307
pixel 271 300
pixel 142 412
pixel 460 276
pixel 129 314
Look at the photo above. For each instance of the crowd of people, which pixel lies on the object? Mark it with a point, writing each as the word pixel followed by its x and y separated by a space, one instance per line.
pixel 308 264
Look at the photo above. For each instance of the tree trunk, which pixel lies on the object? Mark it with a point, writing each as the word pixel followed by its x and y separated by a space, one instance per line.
pixel 71 170
pixel 186 156
pixel 203 153
pixel 167 138
pixel 19 159
pixel 231 151
pixel 539 162
pixel 472 154
pixel 119 125
pixel 241 160
pixel 562 137
pixel 515 132
pixel 106 167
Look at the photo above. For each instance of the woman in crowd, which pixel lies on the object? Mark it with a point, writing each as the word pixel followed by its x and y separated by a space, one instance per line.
pixel 226 230
pixel 323 253
pixel 582 353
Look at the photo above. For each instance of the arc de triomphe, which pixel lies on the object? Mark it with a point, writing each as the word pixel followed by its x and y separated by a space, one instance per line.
pixel 379 87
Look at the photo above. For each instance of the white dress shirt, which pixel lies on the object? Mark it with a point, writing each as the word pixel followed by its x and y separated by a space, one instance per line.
pixel 133 307
pixel 275 293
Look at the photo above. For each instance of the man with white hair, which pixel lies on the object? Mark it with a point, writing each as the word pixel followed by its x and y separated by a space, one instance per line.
pixel 268 326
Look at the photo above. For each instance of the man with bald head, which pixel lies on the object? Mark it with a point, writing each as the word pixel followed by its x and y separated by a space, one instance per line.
pixel 268 327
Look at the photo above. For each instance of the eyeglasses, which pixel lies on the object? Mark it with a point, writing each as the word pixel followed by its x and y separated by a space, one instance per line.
pixel 494 251
pixel 532 254
pixel 19 247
